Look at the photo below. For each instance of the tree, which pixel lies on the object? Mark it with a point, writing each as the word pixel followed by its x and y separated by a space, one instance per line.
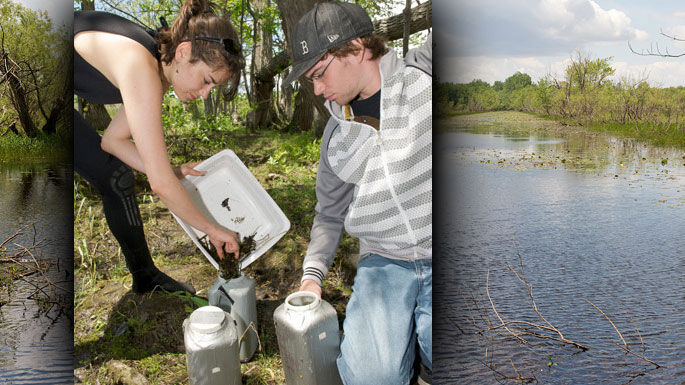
pixel 586 73
pixel 587 77
pixel 303 115
pixel 517 81
pixel 35 71
pixel 544 93
pixel 262 87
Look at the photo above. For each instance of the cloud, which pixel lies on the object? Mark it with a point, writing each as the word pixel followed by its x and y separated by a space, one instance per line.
pixel 490 69
pixel 677 31
pixel 584 21
pixel 526 28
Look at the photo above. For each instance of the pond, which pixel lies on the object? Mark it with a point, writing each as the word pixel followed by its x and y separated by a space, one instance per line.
pixel 36 326
pixel 586 220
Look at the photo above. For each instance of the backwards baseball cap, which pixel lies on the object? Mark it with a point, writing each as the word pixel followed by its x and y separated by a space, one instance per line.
pixel 325 26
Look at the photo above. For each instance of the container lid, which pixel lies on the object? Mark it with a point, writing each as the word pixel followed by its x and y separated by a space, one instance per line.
pixel 302 301
pixel 231 196
pixel 207 319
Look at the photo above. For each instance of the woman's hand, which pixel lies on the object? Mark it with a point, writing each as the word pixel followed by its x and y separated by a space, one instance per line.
pixel 187 169
pixel 224 241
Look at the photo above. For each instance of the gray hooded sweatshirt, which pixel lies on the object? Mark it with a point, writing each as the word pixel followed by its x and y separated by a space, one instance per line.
pixel 377 183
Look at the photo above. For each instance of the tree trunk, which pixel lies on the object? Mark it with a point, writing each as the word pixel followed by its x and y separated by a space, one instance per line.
pixel 303 113
pixel 262 88
pixel 62 109
pixel 210 105
pixel 291 12
pixel 95 114
pixel 88 5
pixel 21 106
pixel 286 100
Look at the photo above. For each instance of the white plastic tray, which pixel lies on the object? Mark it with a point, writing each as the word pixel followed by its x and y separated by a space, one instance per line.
pixel 249 208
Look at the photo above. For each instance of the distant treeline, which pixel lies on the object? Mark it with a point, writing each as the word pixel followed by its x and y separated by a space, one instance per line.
pixel 585 95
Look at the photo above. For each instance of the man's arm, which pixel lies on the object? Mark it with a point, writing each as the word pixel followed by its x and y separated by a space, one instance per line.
pixel 333 198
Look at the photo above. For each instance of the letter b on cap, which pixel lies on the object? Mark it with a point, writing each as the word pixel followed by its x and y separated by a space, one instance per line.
pixel 305 49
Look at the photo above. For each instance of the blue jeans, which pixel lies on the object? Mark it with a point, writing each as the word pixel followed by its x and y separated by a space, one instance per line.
pixel 391 308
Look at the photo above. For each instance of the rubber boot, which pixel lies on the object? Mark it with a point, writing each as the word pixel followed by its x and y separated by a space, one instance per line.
pixel 146 276
pixel 147 279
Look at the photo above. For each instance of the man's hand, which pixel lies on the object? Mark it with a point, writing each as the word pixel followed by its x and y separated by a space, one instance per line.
pixel 311 285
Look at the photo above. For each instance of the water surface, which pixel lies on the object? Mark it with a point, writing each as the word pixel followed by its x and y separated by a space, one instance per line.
pixel 592 217
pixel 36 344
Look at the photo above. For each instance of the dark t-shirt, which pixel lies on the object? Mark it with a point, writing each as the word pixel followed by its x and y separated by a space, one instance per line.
pixel 89 83
pixel 368 107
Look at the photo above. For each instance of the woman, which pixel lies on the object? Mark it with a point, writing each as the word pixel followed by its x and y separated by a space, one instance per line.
pixel 118 61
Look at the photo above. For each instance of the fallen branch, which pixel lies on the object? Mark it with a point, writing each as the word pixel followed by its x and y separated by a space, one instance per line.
pixel 487 290
pixel 625 346
pixel 519 333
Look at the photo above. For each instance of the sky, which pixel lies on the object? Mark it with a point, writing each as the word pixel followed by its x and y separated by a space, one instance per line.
pixel 492 39
pixel 60 11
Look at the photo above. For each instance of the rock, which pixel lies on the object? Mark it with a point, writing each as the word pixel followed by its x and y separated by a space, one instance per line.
pixel 123 374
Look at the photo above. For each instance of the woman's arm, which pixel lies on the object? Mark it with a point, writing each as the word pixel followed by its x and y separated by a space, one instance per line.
pixel 117 141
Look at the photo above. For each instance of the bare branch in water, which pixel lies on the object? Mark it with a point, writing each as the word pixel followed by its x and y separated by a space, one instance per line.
pixel 625 345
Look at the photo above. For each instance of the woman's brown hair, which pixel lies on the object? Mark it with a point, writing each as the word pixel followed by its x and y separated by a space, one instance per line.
pixel 197 18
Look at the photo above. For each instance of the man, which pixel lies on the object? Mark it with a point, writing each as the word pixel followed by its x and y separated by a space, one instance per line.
pixel 375 180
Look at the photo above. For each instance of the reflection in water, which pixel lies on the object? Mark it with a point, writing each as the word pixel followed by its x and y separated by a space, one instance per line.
pixel 36 343
pixel 593 218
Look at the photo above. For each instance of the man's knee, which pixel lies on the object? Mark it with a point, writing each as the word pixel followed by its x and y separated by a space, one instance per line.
pixel 373 373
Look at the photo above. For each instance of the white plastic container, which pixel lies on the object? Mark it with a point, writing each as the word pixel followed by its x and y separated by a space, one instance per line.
pixel 231 196
pixel 211 342
pixel 238 298
pixel 308 340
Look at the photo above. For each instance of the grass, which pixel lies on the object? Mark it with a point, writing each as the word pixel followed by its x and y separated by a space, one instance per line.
pixel 664 135
pixel 658 134
pixel 144 331
pixel 47 147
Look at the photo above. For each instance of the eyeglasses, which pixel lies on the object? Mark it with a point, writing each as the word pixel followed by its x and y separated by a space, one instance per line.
pixel 319 76
pixel 229 44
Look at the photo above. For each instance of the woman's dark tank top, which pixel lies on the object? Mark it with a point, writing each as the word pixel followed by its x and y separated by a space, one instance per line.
pixel 89 83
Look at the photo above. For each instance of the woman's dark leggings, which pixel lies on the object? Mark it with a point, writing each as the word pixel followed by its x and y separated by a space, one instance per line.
pixel 116 184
